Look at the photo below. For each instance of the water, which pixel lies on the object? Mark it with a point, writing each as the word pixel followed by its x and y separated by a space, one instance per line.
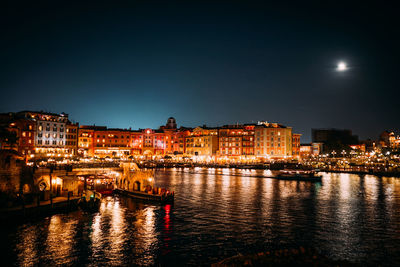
pixel 219 213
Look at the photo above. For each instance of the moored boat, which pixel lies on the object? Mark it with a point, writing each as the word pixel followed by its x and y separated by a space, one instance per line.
pixel 298 175
pixel 161 198
pixel 139 184
pixel 90 200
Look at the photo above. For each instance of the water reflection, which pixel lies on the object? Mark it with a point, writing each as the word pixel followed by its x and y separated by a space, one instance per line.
pixel 217 214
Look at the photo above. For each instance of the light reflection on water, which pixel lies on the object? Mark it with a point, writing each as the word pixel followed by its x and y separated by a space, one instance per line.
pixel 217 214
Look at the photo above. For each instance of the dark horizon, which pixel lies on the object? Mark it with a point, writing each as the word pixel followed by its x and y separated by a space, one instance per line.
pixel 135 65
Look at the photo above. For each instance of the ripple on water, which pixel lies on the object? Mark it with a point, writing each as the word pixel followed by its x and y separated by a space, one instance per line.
pixel 218 214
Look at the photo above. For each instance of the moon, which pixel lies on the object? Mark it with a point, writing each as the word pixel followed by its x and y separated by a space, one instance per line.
pixel 342 66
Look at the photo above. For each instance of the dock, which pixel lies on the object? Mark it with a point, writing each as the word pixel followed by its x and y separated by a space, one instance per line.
pixel 41 208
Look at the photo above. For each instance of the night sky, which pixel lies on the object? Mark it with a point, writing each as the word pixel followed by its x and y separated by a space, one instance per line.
pixel 136 65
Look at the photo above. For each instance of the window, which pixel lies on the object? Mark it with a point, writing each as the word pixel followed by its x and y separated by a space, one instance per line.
pixel 47 142
pixel 54 142
pixel 23 134
pixel 61 136
pixel 39 142
pixel 55 135
pixel 40 128
pixel 61 129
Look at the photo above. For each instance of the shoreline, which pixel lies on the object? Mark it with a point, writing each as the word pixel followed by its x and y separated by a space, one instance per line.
pixel 263 167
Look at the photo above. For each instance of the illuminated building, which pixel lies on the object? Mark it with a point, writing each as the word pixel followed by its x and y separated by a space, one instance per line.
pixel 203 142
pixel 230 140
pixel 85 141
pixel 153 142
pixel 273 140
pixel 42 133
pixel 24 130
pixel 179 140
pixel 169 130
pixel 296 145
pixel 112 143
pixel 389 139
pixel 71 138
pixel 313 149
pixel 359 147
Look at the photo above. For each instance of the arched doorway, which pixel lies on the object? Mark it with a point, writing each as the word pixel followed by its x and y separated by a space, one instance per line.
pixel 136 186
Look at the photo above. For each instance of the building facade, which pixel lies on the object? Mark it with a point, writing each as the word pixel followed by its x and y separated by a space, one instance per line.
pixel 273 140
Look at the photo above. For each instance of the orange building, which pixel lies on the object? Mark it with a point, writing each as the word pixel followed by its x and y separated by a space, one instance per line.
pixel 296 145
pixel 71 138
pixel 230 140
pixel 273 140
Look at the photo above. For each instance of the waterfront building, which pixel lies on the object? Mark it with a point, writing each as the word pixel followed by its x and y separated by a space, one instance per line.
pixel 44 135
pixel 22 130
pixel 179 140
pixel 169 130
pixel 39 134
pixel 388 139
pixel 311 149
pixel 71 139
pixel 112 143
pixel 85 140
pixel 273 140
pixel 202 143
pixel 230 141
pixel 248 141
pixel 334 139
pixel 153 143
pixel 296 145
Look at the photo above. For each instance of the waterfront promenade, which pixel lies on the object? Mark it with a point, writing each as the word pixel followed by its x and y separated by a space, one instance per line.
pixel 39 208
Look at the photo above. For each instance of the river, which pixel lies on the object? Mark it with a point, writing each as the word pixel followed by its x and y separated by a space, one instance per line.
pixel 219 213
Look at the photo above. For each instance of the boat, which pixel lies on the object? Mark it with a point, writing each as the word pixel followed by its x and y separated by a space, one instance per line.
pixel 138 183
pixel 297 175
pixel 90 200
pixel 160 198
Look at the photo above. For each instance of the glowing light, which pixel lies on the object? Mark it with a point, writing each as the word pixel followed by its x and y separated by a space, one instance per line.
pixel 342 66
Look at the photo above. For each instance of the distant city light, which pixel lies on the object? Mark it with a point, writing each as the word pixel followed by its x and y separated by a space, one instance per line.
pixel 342 66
